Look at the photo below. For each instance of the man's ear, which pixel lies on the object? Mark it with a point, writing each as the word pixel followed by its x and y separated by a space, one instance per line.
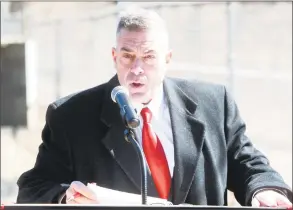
pixel 114 54
pixel 169 56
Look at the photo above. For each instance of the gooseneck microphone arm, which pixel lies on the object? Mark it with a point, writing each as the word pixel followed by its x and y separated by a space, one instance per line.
pixel 131 121
pixel 130 136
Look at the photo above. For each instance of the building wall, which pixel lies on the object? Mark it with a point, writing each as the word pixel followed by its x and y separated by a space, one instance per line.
pixel 69 49
pixel 11 25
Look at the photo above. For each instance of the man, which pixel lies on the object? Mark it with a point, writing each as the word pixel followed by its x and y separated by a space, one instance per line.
pixel 192 128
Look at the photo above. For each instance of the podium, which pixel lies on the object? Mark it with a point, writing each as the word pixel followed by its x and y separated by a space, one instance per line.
pixel 125 207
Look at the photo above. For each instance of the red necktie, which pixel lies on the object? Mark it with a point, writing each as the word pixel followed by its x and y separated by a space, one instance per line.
pixel 155 156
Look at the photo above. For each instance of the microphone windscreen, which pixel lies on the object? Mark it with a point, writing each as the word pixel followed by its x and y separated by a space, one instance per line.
pixel 118 90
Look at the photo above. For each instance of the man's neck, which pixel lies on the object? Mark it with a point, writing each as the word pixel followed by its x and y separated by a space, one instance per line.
pixel 154 104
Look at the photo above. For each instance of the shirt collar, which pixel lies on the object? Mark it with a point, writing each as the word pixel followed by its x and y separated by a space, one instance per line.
pixel 154 105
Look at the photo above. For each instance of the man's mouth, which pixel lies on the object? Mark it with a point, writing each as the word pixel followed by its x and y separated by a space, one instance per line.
pixel 136 84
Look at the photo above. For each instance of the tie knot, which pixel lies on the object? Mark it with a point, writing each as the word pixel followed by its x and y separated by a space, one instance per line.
pixel 146 115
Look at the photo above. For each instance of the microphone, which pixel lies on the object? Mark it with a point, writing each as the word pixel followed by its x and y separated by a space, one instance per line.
pixel 120 95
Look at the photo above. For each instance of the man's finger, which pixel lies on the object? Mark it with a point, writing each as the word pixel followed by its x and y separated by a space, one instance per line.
pixel 255 203
pixel 83 190
pixel 284 201
pixel 267 202
pixel 70 194
pixel 72 202
pixel 84 200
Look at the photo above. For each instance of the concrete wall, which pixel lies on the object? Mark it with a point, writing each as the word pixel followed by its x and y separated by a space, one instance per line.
pixel 69 49
pixel 11 24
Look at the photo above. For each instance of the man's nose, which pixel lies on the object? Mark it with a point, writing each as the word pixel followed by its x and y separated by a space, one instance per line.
pixel 136 67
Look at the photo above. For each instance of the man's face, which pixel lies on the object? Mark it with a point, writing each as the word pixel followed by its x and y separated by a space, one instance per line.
pixel 141 59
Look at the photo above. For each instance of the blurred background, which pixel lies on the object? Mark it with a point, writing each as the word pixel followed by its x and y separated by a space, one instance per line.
pixel 52 49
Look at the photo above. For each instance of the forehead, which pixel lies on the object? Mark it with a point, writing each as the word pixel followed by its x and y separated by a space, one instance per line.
pixel 140 40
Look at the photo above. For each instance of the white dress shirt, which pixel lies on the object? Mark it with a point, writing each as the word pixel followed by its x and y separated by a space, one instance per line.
pixel 161 124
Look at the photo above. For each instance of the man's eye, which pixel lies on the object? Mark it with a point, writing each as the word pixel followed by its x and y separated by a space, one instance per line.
pixel 149 57
pixel 128 56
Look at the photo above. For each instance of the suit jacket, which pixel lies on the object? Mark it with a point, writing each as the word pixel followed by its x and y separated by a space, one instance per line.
pixel 83 140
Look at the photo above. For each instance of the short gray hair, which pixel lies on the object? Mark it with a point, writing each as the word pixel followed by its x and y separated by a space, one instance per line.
pixel 136 19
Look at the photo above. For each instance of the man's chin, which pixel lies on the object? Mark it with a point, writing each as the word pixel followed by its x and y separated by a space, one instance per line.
pixel 140 98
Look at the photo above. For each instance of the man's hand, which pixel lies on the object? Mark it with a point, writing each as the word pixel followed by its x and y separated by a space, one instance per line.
pixel 78 193
pixel 270 198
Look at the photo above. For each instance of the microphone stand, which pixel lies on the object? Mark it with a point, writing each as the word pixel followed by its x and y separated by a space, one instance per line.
pixel 130 136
